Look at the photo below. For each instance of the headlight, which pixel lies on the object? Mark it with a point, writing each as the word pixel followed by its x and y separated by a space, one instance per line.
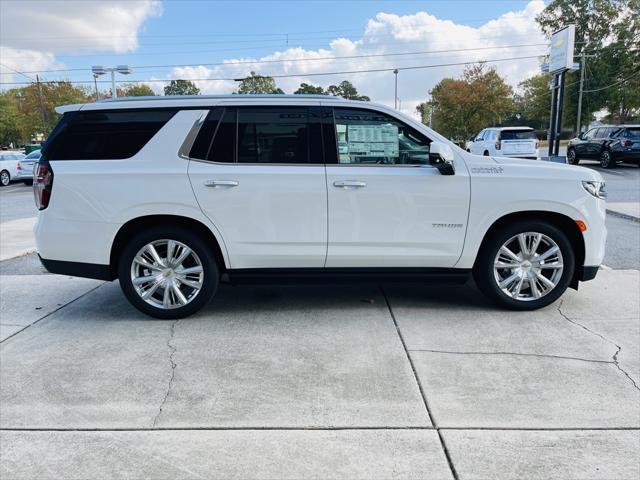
pixel 595 188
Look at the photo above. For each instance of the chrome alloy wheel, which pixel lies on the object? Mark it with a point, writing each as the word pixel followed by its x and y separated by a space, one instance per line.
pixel 528 266
pixel 167 274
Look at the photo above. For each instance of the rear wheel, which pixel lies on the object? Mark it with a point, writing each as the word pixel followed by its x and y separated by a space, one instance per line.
pixel 606 160
pixel 572 158
pixel 168 273
pixel 526 265
pixel 486 153
pixel 5 178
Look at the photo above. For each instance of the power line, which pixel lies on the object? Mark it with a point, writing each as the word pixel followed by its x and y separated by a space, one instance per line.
pixel 619 82
pixel 308 59
pixel 314 74
pixel 19 73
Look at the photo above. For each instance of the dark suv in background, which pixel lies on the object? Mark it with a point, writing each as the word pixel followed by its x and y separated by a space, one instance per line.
pixel 610 144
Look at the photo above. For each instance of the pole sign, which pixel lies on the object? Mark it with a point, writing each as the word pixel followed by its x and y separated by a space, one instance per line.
pixel 562 44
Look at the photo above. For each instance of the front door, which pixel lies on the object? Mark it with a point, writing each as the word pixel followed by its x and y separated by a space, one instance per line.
pixel 387 206
pixel 261 182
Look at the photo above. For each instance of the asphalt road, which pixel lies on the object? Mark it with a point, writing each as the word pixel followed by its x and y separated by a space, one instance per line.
pixel 623 185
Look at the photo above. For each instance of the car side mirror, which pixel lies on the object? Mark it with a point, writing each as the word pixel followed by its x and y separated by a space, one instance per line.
pixel 441 157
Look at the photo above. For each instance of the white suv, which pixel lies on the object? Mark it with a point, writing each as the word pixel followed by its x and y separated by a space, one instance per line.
pixel 174 194
pixel 518 142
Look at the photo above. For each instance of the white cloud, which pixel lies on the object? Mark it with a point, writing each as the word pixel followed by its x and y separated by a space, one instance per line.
pixel 34 31
pixel 390 33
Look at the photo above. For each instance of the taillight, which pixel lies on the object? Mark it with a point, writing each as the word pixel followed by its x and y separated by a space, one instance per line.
pixel 19 166
pixel 42 184
pixel 498 144
pixel 537 144
pixel 626 143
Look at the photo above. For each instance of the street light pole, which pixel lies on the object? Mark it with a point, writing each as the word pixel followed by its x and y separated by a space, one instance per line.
pixel 395 94
pixel 100 70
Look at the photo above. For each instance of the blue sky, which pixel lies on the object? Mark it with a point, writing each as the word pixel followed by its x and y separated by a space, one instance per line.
pixel 37 36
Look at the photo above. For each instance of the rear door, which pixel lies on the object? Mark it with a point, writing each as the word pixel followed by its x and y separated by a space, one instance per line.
pixel 387 206
pixel 582 144
pixel 261 181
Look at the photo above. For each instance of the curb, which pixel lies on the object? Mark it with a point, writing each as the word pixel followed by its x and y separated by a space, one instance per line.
pixel 626 216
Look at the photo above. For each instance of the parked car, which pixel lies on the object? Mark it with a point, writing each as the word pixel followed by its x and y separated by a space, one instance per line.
pixel 610 144
pixel 176 194
pixel 518 142
pixel 9 166
pixel 25 167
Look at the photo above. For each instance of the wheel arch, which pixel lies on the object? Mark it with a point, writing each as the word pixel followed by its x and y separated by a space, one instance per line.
pixel 559 220
pixel 138 224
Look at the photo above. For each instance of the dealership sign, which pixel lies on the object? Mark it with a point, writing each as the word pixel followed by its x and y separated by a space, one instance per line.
pixel 561 55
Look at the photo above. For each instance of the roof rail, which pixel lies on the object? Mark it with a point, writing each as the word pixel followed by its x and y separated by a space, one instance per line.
pixel 218 97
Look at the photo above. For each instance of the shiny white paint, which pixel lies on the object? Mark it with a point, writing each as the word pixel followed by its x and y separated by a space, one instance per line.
pixel 293 216
pixel 508 148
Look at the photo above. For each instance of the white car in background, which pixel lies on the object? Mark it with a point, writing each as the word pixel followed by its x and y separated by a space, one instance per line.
pixel 25 167
pixel 520 142
pixel 9 166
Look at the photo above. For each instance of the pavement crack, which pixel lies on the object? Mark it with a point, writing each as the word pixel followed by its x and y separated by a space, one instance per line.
pixel 172 352
pixel 614 361
pixel 542 355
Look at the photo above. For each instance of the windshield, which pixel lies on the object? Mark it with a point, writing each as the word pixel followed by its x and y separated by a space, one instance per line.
pixel 518 135
pixel 33 155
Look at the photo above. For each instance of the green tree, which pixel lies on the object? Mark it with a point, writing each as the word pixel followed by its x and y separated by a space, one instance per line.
pixel 534 103
pixel 256 84
pixel 306 89
pixel 345 89
pixel 181 87
pixel 609 32
pixel 136 90
pixel 462 107
pixel 9 113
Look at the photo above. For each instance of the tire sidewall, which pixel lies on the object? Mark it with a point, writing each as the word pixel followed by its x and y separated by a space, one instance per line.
pixel 484 275
pixel 193 241
pixel 573 159
pixel 603 163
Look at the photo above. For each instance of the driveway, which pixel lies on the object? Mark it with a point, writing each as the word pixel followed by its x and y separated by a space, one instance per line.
pixel 320 382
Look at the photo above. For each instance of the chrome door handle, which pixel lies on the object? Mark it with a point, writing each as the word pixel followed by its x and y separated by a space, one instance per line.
pixel 349 183
pixel 221 183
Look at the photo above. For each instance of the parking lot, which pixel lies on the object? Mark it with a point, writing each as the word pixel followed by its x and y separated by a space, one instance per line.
pixel 334 381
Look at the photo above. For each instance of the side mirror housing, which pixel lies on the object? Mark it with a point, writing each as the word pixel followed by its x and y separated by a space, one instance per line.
pixel 441 157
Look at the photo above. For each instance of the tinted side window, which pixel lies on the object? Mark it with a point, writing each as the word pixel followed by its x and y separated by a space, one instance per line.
pixel 223 147
pixel 273 135
pixel 202 143
pixel 106 134
pixel 367 137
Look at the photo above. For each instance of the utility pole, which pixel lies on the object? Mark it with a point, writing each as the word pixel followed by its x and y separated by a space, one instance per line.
pixel 95 84
pixel 395 94
pixel 42 118
pixel 583 66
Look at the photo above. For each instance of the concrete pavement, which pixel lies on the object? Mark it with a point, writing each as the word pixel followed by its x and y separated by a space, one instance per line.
pixel 324 382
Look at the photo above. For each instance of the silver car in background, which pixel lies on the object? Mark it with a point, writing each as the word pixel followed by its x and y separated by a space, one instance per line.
pixel 25 167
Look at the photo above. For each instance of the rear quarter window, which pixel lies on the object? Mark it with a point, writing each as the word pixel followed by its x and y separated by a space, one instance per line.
pixel 104 134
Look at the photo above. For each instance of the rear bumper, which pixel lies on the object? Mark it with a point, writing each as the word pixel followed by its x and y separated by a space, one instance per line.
pixel 631 157
pixel 77 269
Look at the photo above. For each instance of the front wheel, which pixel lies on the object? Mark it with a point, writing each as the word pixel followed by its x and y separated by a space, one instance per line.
pixel 606 160
pixel 5 178
pixel 168 273
pixel 572 158
pixel 525 266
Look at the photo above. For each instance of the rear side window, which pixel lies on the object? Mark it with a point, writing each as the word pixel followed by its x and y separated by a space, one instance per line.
pixel 632 133
pixel 518 135
pixel 202 143
pixel 104 134
pixel 273 135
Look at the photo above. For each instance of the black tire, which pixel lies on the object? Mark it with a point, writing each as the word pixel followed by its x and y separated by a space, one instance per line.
pixel 486 153
pixel 194 242
pixel 28 183
pixel 606 159
pixel 572 158
pixel 5 178
pixel 484 274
